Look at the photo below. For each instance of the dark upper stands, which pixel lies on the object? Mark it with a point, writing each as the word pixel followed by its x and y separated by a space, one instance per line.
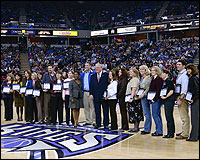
pixel 96 15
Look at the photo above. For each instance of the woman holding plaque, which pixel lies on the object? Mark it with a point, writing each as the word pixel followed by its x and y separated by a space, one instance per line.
pixel 145 81
pixel 56 99
pixel 37 93
pixel 19 102
pixel 31 98
pixel 40 75
pixel 154 98
pixel 111 99
pixel 76 97
pixel 168 100
pixel 193 99
pixel 65 96
pixel 121 90
pixel 134 104
pixel 27 77
pixel 8 96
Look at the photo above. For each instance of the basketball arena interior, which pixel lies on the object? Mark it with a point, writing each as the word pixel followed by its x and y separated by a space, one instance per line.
pixel 73 86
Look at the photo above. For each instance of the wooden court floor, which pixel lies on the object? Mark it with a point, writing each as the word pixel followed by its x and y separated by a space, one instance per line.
pixel 136 147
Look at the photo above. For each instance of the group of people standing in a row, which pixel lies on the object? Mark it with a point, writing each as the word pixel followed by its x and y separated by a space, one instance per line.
pixel 136 91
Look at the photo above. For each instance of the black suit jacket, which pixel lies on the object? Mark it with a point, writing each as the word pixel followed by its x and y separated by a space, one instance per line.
pixel 121 87
pixel 97 88
pixel 193 87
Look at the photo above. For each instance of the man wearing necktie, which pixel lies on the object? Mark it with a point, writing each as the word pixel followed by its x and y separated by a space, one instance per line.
pixel 98 75
pixel 98 84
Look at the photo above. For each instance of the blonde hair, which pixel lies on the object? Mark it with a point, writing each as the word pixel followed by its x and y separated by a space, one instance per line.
pixel 11 75
pixel 135 71
pixel 146 69
pixel 157 70
pixel 35 74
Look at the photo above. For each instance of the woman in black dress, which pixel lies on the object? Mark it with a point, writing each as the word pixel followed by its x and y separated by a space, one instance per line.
pixel 27 77
pixel 19 101
pixel 8 96
pixel 193 89
pixel 121 90
pixel 56 99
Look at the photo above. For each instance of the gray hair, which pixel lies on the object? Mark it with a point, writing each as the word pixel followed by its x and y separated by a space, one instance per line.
pixel 100 65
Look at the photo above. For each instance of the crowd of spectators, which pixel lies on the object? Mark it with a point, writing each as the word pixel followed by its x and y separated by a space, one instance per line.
pixel 163 53
pixel 10 60
pixel 64 58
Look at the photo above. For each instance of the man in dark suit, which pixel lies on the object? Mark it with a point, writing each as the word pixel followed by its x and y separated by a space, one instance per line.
pixel 98 84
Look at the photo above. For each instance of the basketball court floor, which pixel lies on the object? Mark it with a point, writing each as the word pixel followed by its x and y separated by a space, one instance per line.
pixel 41 141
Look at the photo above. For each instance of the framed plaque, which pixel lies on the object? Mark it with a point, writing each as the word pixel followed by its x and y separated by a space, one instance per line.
pixel 6 90
pixel 16 87
pixel 46 86
pixel 36 92
pixel 57 87
pixel 151 95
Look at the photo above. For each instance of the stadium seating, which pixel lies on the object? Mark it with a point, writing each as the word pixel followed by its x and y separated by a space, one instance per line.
pixel 91 16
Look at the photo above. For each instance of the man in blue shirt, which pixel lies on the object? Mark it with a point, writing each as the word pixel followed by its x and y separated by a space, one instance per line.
pixel 87 102
pixel 182 81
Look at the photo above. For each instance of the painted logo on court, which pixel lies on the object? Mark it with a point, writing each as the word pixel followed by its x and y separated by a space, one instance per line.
pixel 65 141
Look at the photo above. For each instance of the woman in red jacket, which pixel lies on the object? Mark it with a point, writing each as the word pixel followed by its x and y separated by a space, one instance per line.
pixel 155 88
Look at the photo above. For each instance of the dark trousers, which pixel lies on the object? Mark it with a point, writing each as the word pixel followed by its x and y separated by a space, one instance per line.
pixel 56 105
pixel 111 104
pixel 123 112
pixel 31 109
pixel 26 115
pixel 8 103
pixel 169 108
pixel 194 134
pixel 97 107
pixel 67 110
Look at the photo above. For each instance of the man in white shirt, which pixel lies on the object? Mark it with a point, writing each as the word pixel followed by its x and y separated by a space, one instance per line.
pixel 181 90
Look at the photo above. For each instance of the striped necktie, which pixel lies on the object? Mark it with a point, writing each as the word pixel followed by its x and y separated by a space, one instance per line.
pixel 99 77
